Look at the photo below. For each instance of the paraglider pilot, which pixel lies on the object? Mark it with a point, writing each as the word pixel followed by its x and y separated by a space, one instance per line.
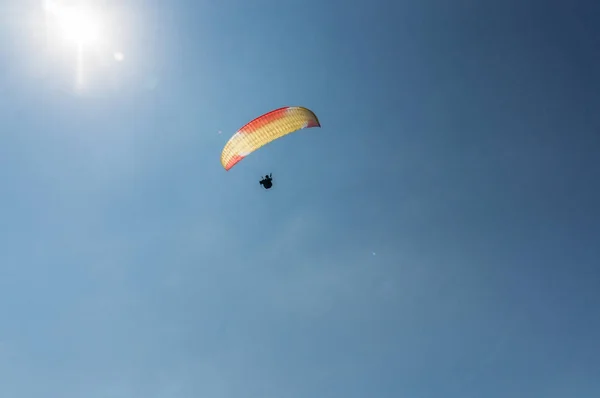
pixel 267 182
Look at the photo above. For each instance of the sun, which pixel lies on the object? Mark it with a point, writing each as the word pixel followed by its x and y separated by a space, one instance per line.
pixel 78 24
pixel 80 35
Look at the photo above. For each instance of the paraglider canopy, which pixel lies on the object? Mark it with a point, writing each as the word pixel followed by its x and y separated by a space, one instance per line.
pixel 265 129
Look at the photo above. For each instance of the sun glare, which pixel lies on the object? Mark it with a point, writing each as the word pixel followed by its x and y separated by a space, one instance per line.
pixel 78 24
pixel 79 34
pixel 80 27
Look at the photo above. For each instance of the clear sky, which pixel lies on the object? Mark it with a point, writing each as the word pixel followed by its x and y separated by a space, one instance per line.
pixel 438 237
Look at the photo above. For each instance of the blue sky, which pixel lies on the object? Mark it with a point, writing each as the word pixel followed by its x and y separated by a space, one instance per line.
pixel 439 236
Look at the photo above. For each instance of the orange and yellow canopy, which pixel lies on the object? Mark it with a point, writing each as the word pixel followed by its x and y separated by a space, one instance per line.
pixel 265 129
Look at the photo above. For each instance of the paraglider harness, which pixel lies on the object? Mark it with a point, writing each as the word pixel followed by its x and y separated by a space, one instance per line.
pixel 267 182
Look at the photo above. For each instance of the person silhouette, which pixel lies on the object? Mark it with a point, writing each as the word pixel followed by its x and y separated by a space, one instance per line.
pixel 267 182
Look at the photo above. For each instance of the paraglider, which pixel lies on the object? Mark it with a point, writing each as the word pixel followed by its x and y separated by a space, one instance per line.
pixel 267 182
pixel 264 130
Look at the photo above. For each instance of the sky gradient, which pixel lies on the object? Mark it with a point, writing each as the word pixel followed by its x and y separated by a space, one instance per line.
pixel 438 237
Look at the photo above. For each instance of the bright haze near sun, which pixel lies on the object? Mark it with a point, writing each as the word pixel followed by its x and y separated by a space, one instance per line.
pixel 77 35
pixel 79 24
